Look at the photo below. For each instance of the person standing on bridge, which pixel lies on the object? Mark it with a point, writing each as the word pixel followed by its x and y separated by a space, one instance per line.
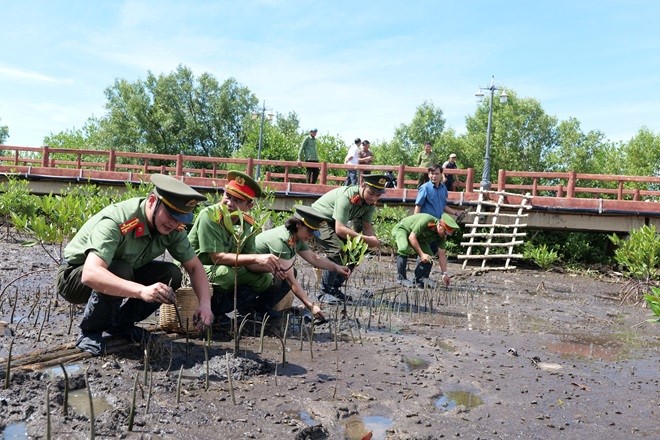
pixel 308 153
pixel 425 158
pixel 450 165
pixel 352 158
pixel 291 239
pixel 343 205
pixel 416 233
pixel 216 247
pixel 109 264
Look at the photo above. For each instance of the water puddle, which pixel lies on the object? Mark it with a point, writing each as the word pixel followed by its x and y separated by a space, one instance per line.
pixel 603 347
pixel 357 427
pixel 79 401
pixel 415 363
pixel 307 419
pixel 15 431
pixel 54 372
pixel 454 399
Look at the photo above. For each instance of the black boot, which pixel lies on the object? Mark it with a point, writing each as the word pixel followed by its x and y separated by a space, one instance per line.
pixel 401 269
pixel 422 272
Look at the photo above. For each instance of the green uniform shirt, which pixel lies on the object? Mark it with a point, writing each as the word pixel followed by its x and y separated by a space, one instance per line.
pixel 307 152
pixel 337 204
pixel 426 160
pixel 209 235
pixel 120 232
pixel 424 227
pixel 276 241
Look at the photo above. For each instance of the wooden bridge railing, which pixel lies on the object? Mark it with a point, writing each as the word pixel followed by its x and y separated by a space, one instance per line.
pixel 567 185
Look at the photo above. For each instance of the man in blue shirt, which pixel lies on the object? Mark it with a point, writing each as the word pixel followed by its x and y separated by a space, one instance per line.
pixel 432 199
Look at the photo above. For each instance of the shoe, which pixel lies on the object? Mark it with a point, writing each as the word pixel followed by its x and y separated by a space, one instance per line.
pixel 426 282
pixel 405 283
pixel 134 334
pixel 327 298
pixel 91 342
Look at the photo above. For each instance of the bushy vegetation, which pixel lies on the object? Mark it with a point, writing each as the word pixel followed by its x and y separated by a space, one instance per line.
pixel 543 256
pixel 638 255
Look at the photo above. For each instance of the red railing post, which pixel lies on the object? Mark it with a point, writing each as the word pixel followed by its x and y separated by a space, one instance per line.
pixel 572 181
pixel 286 174
pixel 79 161
pixel 636 195
pixel 560 190
pixel 112 159
pixel 469 181
pixel 619 193
pixel 146 165
pixel 179 164
pixel 324 173
pixel 250 166
pixel 535 186
pixel 45 156
pixel 501 180
pixel 401 176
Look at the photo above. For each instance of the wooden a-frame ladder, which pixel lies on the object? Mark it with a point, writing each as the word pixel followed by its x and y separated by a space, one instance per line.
pixel 487 233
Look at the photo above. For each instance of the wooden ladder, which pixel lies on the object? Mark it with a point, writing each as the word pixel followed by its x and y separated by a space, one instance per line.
pixel 487 232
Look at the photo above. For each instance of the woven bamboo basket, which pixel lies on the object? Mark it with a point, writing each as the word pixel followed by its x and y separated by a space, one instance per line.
pixel 188 303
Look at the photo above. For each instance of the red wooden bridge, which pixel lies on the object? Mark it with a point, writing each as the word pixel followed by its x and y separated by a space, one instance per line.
pixel 561 200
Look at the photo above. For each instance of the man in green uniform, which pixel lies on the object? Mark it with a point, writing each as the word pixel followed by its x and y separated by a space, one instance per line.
pixel 425 159
pixel 308 153
pixel 111 259
pixel 291 239
pixel 218 251
pixel 342 205
pixel 414 234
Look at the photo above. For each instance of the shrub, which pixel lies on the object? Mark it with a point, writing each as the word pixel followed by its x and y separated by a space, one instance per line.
pixel 543 256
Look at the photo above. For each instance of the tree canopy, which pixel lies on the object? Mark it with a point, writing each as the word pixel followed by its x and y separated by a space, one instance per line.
pixel 181 113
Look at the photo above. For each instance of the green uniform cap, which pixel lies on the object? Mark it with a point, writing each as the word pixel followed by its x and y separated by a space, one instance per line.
pixel 449 222
pixel 310 217
pixel 376 181
pixel 241 185
pixel 179 199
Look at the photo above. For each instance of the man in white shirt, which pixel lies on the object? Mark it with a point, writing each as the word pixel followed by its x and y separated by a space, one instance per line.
pixel 352 158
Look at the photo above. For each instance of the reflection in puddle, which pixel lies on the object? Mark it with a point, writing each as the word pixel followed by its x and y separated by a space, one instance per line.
pixel 15 431
pixel 453 399
pixel 605 347
pixel 57 371
pixel 357 427
pixel 79 401
pixel 307 419
pixel 415 363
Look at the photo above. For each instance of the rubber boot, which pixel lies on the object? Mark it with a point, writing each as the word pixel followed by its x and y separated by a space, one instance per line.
pixel 401 268
pixel 328 281
pixel 422 272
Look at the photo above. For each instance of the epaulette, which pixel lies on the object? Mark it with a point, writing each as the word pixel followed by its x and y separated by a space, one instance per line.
pixel 248 219
pixel 129 225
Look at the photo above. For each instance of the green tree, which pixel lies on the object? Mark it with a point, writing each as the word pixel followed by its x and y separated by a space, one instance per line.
pixel 522 135
pixel 4 133
pixel 427 124
pixel 641 154
pixel 177 113
pixel 577 151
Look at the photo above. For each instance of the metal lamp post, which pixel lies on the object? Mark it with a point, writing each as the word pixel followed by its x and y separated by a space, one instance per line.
pixel 485 177
pixel 261 135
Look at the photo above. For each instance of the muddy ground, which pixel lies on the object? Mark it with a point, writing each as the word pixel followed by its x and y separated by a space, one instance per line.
pixel 521 354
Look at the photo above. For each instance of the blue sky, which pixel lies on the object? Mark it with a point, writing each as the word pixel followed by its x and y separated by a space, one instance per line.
pixel 349 68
